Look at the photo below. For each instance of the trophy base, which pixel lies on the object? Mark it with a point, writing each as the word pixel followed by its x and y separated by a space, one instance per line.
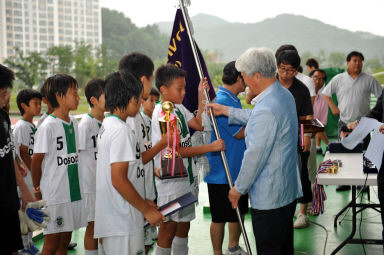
pixel 164 174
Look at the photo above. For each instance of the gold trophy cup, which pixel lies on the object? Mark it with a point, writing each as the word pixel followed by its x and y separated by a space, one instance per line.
pixel 171 154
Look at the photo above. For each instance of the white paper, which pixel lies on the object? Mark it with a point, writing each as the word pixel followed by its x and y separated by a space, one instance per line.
pixel 376 146
pixel 170 208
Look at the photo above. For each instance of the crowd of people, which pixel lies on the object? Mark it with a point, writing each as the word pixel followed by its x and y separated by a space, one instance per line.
pixel 105 172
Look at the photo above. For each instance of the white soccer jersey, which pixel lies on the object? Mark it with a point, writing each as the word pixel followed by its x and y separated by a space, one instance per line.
pixel 42 118
pixel 140 129
pixel 114 215
pixel 24 134
pixel 88 130
pixel 165 187
pixel 60 180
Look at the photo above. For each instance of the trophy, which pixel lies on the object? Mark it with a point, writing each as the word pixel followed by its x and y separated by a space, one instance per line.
pixel 171 162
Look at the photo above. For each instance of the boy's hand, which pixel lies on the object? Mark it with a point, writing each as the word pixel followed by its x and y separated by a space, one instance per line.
pixel 153 216
pixel 23 170
pixel 218 145
pixel 156 171
pixel 203 85
pixel 151 203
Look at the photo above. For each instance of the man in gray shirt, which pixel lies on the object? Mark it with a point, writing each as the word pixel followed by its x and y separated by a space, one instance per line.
pixel 353 90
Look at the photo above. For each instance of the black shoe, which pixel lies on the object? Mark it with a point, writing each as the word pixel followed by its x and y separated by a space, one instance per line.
pixel 319 151
pixel 72 246
pixel 343 187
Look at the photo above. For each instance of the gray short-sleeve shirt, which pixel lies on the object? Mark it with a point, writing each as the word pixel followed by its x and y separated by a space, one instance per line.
pixel 353 95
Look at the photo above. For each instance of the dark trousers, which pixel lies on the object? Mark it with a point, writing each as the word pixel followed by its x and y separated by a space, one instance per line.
pixel 273 230
pixel 380 188
pixel 304 178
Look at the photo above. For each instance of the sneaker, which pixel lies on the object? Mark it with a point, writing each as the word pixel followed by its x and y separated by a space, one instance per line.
pixel 319 151
pixel 35 249
pixel 28 251
pixel 343 187
pixel 302 221
pixel 239 251
pixel 72 246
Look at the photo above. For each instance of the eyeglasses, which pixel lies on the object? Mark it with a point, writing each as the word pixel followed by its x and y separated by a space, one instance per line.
pixel 315 78
pixel 286 70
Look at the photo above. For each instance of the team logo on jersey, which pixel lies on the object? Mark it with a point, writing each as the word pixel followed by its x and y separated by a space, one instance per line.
pixel 140 252
pixel 70 131
pixel 59 221
pixel 69 159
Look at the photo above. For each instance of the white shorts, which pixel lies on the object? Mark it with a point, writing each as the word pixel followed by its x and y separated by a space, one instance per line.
pixel 89 199
pixel 132 245
pixel 186 214
pixel 66 217
pixel 148 236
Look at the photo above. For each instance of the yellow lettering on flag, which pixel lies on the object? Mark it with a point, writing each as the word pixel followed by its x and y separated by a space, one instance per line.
pixel 173 47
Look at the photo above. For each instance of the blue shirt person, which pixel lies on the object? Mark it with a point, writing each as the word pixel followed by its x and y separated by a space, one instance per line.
pixel 269 170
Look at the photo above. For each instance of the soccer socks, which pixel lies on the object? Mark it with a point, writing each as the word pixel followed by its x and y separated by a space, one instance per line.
pixel 91 252
pixel 25 239
pixel 180 246
pixel 101 249
pixel 163 251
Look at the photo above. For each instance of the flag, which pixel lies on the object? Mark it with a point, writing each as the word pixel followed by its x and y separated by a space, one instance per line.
pixel 180 54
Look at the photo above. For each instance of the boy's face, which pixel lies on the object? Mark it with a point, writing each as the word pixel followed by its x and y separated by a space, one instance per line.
pixel 134 106
pixel 4 96
pixel 34 107
pixel 99 103
pixel 149 104
pixel 147 85
pixel 71 98
pixel 176 91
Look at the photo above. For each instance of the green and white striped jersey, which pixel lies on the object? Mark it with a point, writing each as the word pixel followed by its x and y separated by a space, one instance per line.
pixel 60 180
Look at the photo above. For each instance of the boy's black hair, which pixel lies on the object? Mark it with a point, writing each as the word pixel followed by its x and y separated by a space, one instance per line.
pixel 285 47
pixel 120 87
pixel 58 84
pixel 154 92
pixel 6 77
pixel 94 88
pixel 137 64
pixel 311 62
pixel 289 57
pixel 355 54
pixel 321 71
pixel 166 74
pixel 25 96
pixel 230 73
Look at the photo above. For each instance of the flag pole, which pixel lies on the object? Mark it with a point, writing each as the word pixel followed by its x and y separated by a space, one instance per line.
pixel 213 120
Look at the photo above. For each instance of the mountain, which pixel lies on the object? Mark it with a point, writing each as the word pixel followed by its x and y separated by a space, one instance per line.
pixel 308 35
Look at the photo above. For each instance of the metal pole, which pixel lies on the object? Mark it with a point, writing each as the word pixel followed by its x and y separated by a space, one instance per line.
pixel 222 153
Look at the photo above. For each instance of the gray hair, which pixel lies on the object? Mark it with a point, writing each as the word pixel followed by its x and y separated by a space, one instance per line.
pixel 257 60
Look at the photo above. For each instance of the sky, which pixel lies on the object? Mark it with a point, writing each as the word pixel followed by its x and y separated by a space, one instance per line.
pixel 354 15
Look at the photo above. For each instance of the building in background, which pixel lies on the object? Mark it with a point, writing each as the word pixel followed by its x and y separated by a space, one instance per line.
pixel 37 25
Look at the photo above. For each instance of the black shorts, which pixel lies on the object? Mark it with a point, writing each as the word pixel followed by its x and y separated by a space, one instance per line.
pixel 12 240
pixel 220 207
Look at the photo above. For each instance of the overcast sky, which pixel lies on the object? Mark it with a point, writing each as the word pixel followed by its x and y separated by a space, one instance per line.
pixel 354 15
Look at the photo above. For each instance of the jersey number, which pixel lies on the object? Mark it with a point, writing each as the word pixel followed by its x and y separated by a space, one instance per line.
pixel 94 141
pixel 60 144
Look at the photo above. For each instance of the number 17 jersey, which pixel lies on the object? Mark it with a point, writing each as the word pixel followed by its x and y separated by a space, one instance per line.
pixel 60 179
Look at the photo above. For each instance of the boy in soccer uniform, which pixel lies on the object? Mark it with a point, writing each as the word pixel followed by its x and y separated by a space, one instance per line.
pixel 55 165
pixel 88 129
pixel 141 66
pixel 29 104
pixel 120 201
pixel 170 81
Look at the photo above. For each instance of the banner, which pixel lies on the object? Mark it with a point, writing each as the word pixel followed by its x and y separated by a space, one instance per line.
pixel 180 54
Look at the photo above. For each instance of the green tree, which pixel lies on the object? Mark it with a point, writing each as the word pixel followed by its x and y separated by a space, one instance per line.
pixel 31 69
pixel 371 65
pixel 85 64
pixel 105 63
pixel 336 59
pixel 61 59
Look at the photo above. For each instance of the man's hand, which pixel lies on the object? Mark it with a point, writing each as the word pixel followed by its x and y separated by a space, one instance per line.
pixel 350 126
pixel 218 109
pixel 218 145
pixel 202 86
pixel 381 129
pixel 234 197
pixel 307 143
pixel 335 111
